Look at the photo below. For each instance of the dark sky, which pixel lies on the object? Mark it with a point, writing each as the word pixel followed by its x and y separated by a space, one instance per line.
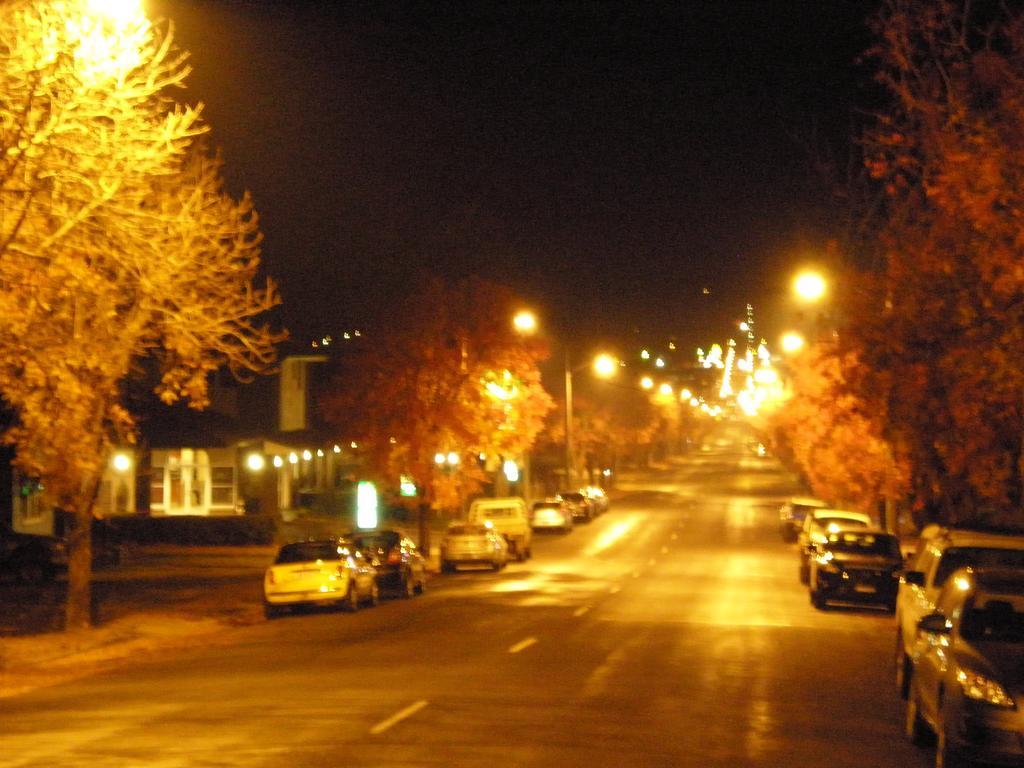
pixel 607 160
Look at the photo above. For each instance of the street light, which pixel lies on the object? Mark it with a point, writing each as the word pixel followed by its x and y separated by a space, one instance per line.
pixel 525 321
pixel 809 286
pixel 604 366
pixel 792 342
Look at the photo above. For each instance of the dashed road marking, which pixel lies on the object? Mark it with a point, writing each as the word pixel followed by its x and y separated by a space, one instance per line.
pixel 398 717
pixel 522 645
pixel 581 610
pixel 614 589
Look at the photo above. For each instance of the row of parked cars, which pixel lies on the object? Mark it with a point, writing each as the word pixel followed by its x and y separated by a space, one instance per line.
pixel 357 569
pixel 958 601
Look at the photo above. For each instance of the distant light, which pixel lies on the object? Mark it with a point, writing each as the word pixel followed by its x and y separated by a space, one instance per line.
pixel 407 487
pixel 255 462
pixel 121 462
pixel 439 458
pixel 685 394
pixel 744 326
pixel 393 440
pixel 453 458
pixel 672 345
pixel 792 342
pixel 647 382
pixel 337 449
pixel 645 355
pixel 307 455
pixel 659 363
pixel 278 462
pixel 665 389
pixel 963 583
pixel 366 504
pixel 320 452
pixel 511 470
pixel 357 334
pixel 607 473
pixel 605 365
pixel 293 458
pixel 353 445
pixel 525 321
pixel 809 286
pixel 694 402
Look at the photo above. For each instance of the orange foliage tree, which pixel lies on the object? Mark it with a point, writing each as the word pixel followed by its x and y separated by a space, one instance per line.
pixel 939 326
pixel 446 373
pixel 824 427
pixel 117 243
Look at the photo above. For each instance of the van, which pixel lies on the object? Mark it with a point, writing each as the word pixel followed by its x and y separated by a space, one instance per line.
pixel 509 517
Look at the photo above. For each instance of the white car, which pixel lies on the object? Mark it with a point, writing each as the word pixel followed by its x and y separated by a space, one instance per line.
pixel 551 515
pixel 817 525
pixel 329 572
pixel 939 553
pixel 473 544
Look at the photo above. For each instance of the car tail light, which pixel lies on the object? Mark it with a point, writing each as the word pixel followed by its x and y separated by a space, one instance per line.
pixel 394 557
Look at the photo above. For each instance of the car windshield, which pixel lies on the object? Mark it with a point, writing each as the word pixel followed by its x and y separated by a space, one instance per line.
pixel 831 523
pixel 308 551
pixel 546 505
pixel 955 558
pixel 863 544
pixel 572 496
pixel 496 512
pixel 467 530
pixel 994 619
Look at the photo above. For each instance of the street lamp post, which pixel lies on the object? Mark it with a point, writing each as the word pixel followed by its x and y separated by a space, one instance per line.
pixel 569 452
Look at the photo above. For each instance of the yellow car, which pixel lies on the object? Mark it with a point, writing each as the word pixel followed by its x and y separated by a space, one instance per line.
pixel 329 572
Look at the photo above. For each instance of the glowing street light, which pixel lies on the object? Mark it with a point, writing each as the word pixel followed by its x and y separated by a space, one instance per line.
pixel 525 321
pixel 605 365
pixel 647 382
pixel 792 342
pixel 809 286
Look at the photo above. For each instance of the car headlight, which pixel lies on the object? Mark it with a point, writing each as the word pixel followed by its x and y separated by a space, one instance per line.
pixel 981 688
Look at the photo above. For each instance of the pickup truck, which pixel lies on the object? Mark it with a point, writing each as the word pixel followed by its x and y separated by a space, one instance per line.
pixel 509 517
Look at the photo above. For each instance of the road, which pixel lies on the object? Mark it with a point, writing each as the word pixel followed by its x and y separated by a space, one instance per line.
pixel 670 632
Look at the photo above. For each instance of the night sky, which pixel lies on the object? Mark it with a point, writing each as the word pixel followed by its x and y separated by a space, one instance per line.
pixel 609 161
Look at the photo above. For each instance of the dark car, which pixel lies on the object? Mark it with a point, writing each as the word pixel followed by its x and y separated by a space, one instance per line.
pixel 967 670
pixel 579 505
pixel 859 565
pixel 400 567
pixel 31 557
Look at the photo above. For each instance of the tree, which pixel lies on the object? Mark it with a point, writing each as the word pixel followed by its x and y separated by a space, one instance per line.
pixel 446 373
pixel 118 245
pixel 938 325
pixel 828 433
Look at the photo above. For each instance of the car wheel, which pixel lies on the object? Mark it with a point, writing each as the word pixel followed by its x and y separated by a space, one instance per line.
pixel 408 586
pixel 902 668
pixel 804 572
pixel 818 600
pixel 351 602
pixel 914 726
pixel 421 584
pixel 271 612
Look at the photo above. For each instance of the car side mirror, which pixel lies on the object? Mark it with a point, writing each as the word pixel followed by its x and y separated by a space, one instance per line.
pixel 916 578
pixel 934 624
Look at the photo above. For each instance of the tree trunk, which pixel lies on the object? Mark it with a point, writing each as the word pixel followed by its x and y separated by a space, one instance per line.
pixel 78 609
pixel 424 529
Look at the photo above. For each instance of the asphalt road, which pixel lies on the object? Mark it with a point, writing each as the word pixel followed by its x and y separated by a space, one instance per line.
pixel 670 632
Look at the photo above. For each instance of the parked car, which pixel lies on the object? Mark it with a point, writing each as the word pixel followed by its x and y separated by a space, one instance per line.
pixel 598 499
pixel 817 524
pixel 30 557
pixel 551 515
pixel 965 679
pixel 579 505
pixel 510 518
pixel 401 569
pixel 472 544
pixel 332 571
pixel 938 555
pixel 793 513
pixel 860 565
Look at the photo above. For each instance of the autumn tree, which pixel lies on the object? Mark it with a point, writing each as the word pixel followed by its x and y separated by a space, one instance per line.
pixel 119 248
pixel 827 431
pixel 445 373
pixel 939 325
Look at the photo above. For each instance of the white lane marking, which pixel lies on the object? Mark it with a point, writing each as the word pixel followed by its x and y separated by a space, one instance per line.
pixel 522 645
pixel 581 610
pixel 614 589
pixel 398 717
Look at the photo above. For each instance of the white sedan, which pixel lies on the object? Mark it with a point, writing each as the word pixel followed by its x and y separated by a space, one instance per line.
pixel 472 544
